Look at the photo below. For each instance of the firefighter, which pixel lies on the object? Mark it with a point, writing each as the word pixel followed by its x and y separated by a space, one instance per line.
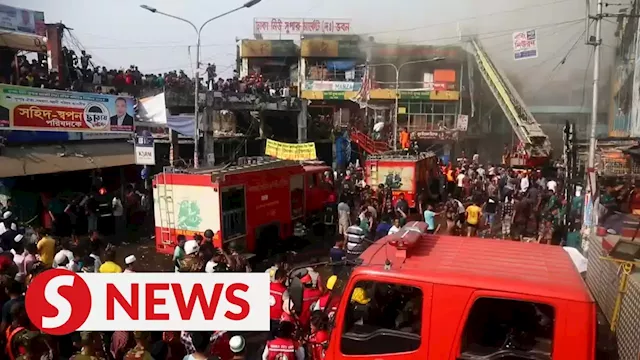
pixel 310 295
pixel 360 304
pixel 278 296
pixel 326 299
pixel 284 346
pixel 319 337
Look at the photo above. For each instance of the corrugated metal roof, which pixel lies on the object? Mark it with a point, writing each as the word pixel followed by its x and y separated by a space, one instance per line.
pixel 33 160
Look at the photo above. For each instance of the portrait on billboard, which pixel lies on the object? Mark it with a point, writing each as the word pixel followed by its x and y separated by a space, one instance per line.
pixel 121 118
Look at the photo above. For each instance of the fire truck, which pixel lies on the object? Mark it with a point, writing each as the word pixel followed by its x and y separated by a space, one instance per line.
pixel 254 204
pixel 401 172
pixel 412 295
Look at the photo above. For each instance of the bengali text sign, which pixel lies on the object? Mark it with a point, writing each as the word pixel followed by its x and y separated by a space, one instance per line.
pixel 297 26
pixel 26 108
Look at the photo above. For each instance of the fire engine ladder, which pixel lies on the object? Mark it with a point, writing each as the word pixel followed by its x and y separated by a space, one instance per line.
pixel 165 206
pixel 522 121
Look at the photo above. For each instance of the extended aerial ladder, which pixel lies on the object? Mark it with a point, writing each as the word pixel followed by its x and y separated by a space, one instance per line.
pixel 536 143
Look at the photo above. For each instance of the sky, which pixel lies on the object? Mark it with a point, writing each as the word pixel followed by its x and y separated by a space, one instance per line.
pixel 118 33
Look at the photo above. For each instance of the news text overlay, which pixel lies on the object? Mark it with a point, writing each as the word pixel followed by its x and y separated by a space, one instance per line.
pixel 59 302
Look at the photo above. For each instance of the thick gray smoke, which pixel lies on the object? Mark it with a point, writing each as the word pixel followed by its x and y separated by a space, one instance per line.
pixel 549 79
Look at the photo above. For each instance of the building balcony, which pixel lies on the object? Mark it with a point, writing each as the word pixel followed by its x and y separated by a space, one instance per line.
pixel 219 100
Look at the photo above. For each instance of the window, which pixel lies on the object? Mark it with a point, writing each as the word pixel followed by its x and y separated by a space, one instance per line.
pixel 389 320
pixel 517 329
pixel 312 181
pixel 233 213
pixel 233 199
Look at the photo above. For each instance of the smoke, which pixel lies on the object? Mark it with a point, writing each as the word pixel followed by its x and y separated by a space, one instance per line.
pixel 561 74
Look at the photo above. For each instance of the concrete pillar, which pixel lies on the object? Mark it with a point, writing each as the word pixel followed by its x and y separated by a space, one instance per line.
pixel 244 68
pixel 208 125
pixel 174 152
pixel 54 49
pixel 302 122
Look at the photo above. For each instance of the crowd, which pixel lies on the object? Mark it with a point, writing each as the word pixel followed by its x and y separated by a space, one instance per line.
pixel 23 257
pixel 79 73
pixel 469 200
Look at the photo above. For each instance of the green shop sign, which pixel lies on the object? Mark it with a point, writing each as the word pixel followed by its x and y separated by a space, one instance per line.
pixel 333 95
pixel 414 95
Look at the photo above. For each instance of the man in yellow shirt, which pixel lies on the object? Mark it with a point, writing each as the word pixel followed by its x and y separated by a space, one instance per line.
pixel 474 213
pixel 46 247
pixel 110 266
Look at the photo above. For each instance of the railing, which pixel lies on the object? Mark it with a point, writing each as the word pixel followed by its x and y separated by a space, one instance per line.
pixel 367 144
pixel 522 121
pixel 233 223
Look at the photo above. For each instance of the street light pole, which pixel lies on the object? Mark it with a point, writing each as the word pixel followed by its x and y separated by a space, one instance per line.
pixel 198 31
pixel 397 89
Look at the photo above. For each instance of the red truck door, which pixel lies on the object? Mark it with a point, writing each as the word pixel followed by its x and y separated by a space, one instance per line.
pixel 316 192
pixel 382 319
pixel 515 321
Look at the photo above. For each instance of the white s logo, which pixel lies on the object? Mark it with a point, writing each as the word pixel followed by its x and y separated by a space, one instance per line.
pixel 54 298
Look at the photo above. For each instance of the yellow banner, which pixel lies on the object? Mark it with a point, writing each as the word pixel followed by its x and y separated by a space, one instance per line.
pixel 285 151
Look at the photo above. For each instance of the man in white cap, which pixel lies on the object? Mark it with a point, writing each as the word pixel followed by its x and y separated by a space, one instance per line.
pixel 8 230
pixel 60 261
pixel 237 345
pixel 129 261
pixel 19 254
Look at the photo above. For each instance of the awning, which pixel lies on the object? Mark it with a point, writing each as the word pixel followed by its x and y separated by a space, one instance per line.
pixel 23 41
pixel 33 160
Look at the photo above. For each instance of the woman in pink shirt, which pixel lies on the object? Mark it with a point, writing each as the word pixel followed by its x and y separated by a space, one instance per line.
pixel 30 257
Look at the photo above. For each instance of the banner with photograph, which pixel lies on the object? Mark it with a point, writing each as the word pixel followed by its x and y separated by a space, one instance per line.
pixel 27 108
pixel 285 151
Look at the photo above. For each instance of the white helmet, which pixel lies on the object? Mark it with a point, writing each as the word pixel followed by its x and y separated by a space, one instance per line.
pixel 236 344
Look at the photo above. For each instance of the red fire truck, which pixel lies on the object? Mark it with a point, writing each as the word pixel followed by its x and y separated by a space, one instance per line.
pixel 412 295
pixel 253 205
pixel 403 173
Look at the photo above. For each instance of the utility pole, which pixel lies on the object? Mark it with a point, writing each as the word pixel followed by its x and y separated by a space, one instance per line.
pixel 591 187
pixel 196 109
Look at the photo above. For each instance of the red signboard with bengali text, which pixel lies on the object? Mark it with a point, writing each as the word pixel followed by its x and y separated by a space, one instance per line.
pixel 26 108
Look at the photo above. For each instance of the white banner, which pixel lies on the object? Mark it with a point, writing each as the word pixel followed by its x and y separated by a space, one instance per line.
pixel 317 85
pixel 463 122
pixel 22 20
pixel 152 109
pixel 298 26
pixel 152 112
pixel 525 44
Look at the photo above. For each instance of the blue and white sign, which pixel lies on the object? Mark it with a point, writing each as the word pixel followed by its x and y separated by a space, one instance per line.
pixel 145 149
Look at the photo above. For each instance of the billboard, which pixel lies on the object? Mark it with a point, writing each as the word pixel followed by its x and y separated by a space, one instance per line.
pixel 525 44
pixel 330 48
pixel 299 26
pixel 22 20
pixel 268 48
pixel 26 108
